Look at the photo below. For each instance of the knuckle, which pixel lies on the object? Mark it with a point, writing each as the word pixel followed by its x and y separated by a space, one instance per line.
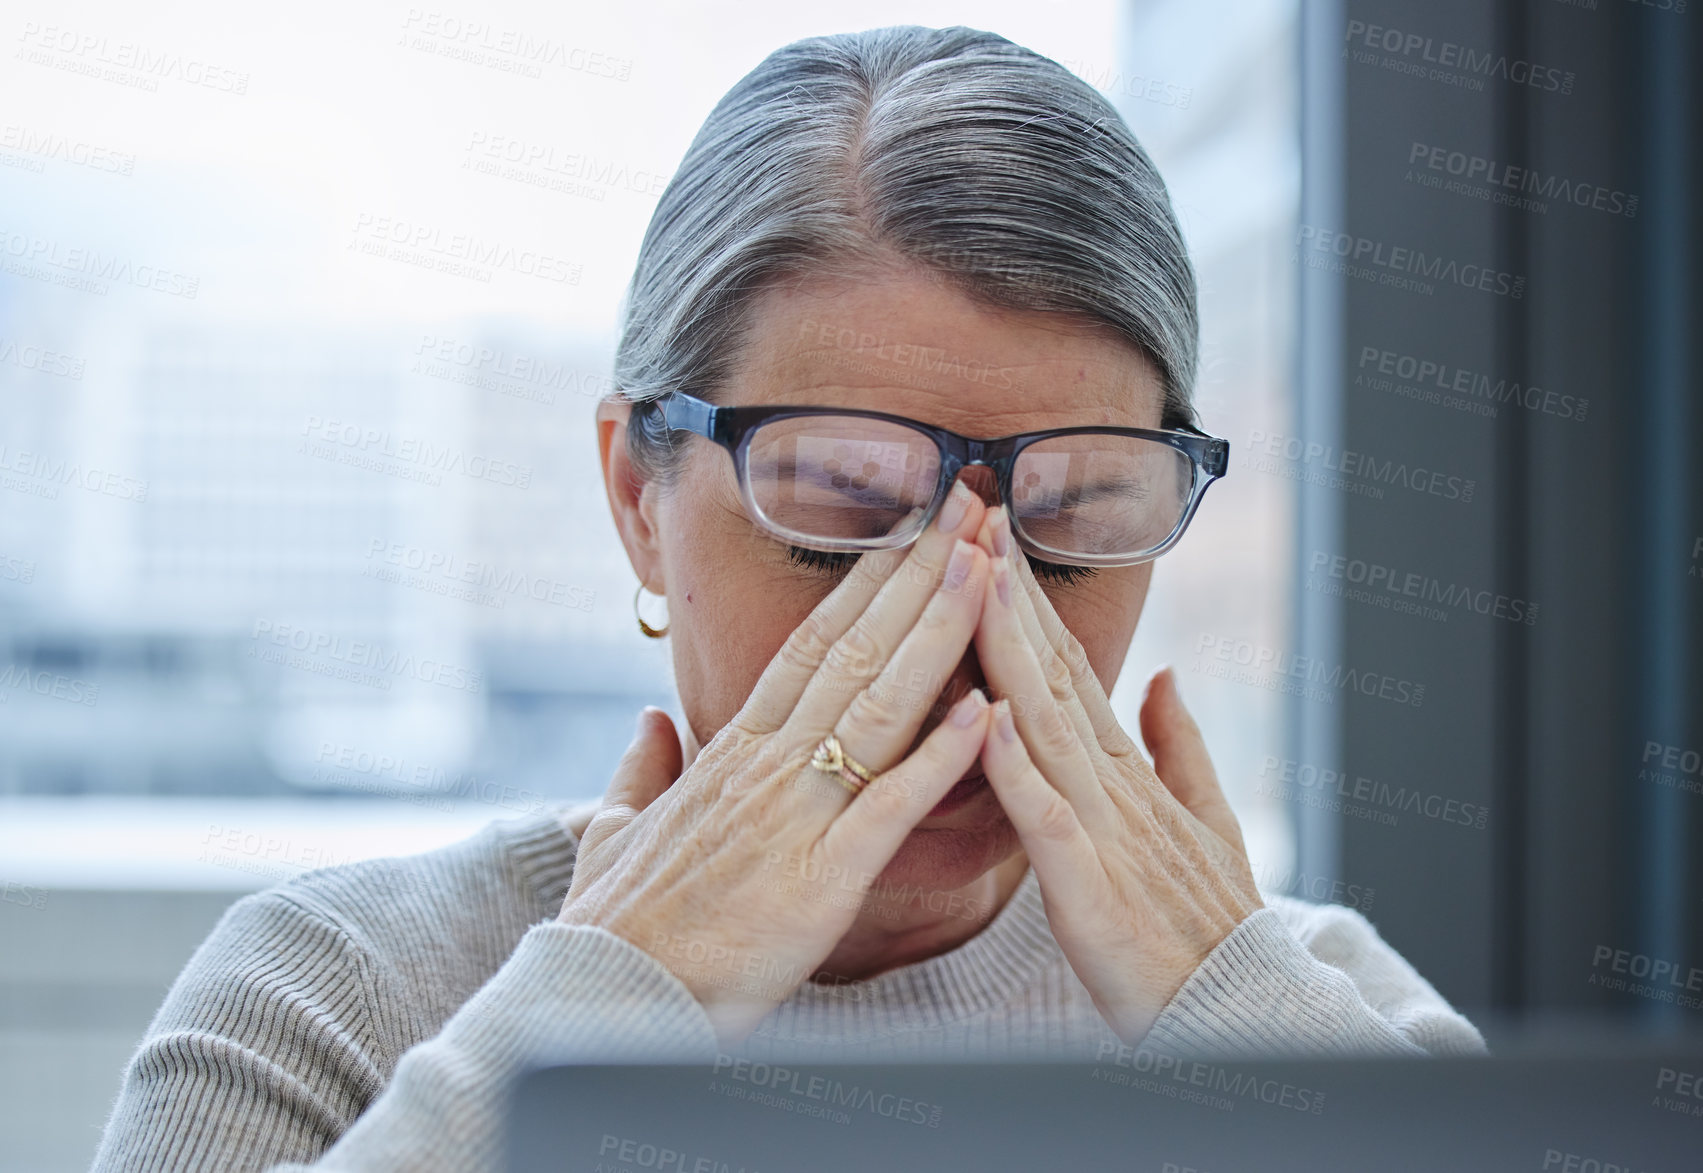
pixel 936 617
pixel 1059 679
pixel 1055 821
pixel 1055 728
pixel 856 653
pixel 1071 650
pixel 873 716
pixel 809 643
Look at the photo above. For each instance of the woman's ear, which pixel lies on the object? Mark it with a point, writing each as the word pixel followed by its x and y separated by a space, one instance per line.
pixel 632 498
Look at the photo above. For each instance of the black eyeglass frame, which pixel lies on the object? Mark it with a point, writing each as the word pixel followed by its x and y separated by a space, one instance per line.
pixel 733 427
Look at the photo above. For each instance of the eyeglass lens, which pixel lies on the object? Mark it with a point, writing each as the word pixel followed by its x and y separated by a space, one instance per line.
pixel 840 478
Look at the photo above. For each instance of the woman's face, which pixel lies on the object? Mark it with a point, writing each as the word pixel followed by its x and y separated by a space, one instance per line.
pixel 915 347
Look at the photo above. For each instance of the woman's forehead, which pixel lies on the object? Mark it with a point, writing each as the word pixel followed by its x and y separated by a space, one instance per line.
pixel 917 346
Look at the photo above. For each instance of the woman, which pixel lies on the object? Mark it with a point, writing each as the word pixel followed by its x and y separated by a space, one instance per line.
pixel 901 818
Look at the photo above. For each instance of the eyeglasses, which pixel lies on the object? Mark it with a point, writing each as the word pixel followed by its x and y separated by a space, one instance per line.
pixel 830 478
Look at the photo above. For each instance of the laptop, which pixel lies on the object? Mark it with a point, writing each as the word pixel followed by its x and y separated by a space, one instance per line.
pixel 1634 1109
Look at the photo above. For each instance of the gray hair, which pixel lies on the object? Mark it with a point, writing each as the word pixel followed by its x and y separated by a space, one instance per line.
pixel 954 150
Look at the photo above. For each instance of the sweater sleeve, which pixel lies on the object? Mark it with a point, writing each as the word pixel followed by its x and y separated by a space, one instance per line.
pixel 264 1056
pixel 1304 979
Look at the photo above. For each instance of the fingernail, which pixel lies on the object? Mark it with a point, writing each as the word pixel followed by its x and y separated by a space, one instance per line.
pixel 1001 532
pixel 958 569
pixel 957 505
pixel 1007 731
pixel 965 712
pixel 1002 582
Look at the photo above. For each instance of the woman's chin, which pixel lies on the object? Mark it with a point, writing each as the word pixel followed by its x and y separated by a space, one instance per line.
pixel 962 838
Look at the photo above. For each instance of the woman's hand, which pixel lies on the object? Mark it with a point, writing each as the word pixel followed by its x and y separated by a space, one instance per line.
pixel 742 875
pixel 1141 867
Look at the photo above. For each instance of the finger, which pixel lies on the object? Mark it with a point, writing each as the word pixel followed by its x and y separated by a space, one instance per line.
pixel 879 725
pixel 650 766
pixel 1091 695
pixel 858 656
pixel 783 681
pixel 996 535
pixel 1057 844
pixel 1180 757
pixel 869 831
pixel 1014 672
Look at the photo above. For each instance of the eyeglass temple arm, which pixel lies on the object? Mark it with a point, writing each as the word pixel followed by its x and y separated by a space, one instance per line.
pixel 1215 459
pixel 687 413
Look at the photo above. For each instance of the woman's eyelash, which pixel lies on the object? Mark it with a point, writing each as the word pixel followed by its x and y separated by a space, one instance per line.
pixel 839 562
pixel 1059 572
pixel 829 562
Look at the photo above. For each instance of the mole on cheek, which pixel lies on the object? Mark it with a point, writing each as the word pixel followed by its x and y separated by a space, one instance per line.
pixel 688 596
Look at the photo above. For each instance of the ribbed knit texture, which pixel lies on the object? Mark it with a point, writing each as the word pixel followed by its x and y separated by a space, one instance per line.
pixel 374 1016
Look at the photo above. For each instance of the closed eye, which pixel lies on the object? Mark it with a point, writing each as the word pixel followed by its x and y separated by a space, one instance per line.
pixel 838 562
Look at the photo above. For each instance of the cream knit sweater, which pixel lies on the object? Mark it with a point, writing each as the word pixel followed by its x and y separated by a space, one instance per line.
pixel 372 1016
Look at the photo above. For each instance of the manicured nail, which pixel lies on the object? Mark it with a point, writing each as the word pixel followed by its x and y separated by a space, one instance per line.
pixel 957 505
pixel 1007 731
pixel 1002 582
pixel 1001 531
pixel 968 709
pixel 958 569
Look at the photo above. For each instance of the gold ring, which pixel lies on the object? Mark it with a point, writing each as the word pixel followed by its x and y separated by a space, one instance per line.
pixel 831 758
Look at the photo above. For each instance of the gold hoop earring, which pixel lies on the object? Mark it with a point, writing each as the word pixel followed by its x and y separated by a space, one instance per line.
pixel 645 628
